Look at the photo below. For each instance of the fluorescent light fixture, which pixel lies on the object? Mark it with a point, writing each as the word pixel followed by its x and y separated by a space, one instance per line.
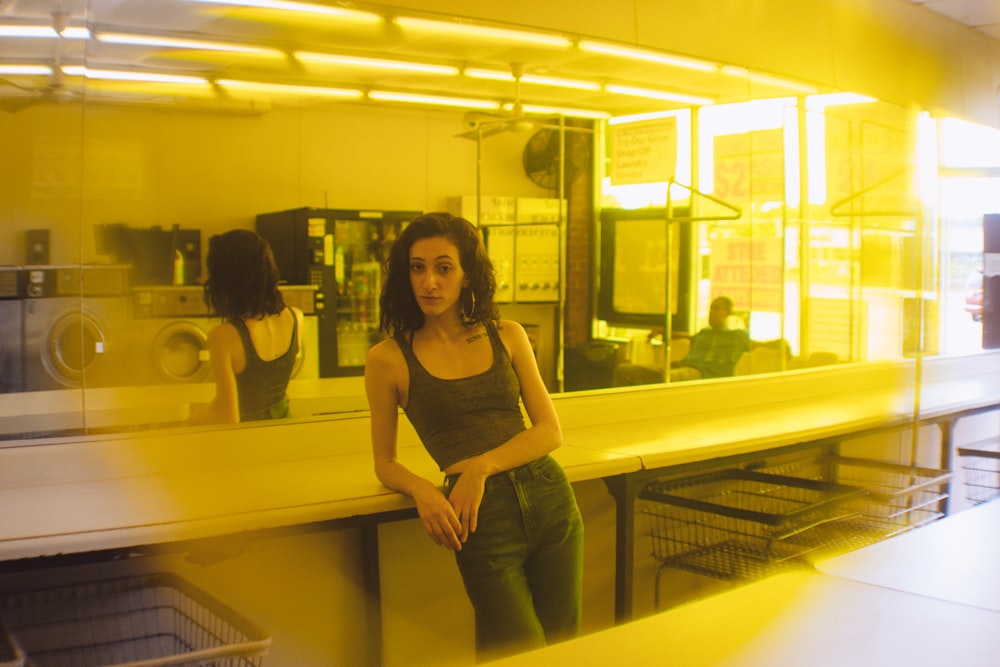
pixel 743 73
pixel 783 83
pixel 43 31
pixel 820 102
pixel 640 117
pixel 25 70
pixel 286 89
pixel 474 31
pixel 378 63
pixel 648 56
pixel 121 75
pixel 501 75
pixel 178 43
pixel 658 95
pixel 562 111
pixel 302 8
pixel 467 103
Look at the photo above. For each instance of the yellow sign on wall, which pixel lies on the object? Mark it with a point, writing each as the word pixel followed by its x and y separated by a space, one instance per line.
pixel 643 152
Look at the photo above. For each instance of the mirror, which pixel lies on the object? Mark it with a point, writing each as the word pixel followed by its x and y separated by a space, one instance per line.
pixel 803 209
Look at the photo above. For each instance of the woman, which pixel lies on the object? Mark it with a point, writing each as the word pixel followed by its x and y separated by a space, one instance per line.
pixel 459 372
pixel 253 351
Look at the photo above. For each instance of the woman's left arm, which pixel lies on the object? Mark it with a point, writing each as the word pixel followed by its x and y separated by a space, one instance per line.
pixel 224 408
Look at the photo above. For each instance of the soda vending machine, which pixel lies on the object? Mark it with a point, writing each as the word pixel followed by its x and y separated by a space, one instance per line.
pixel 341 252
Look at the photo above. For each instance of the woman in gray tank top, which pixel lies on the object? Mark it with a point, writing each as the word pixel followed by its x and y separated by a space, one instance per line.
pixel 462 375
pixel 253 350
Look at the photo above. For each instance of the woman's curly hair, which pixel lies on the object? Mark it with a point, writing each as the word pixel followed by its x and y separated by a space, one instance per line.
pixel 399 308
pixel 242 276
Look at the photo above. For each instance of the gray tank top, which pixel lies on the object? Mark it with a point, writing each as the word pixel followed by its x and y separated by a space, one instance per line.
pixel 465 417
pixel 262 384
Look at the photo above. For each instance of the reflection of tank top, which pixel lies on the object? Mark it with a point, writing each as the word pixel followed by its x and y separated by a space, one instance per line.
pixel 459 418
pixel 262 384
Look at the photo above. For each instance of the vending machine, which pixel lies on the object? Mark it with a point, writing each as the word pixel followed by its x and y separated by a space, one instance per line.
pixel 341 252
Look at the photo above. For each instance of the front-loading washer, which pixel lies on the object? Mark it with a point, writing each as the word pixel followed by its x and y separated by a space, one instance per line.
pixel 74 324
pixel 169 334
pixel 11 331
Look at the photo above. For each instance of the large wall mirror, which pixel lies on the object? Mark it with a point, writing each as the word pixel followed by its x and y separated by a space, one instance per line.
pixel 620 192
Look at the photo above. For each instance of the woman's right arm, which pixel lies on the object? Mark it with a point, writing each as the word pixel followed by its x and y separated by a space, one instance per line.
pixel 438 516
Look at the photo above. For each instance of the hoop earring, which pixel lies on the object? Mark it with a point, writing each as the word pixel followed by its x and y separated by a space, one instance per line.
pixel 468 315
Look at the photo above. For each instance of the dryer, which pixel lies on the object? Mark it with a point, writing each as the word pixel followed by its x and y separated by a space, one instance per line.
pixel 74 324
pixel 11 332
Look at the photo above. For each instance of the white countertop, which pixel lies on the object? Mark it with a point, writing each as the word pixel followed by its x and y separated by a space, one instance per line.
pixel 955 559
pixel 791 620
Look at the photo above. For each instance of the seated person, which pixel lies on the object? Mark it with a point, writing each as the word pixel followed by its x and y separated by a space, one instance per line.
pixel 714 352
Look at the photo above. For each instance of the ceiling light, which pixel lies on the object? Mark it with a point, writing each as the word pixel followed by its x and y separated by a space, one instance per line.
pixel 474 31
pixel 178 43
pixel 355 61
pixel 649 56
pixel 744 73
pixel 467 103
pixel 25 70
pixel 302 8
pixel 658 95
pixel 641 117
pixel 286 89
pixel 501 75
pixel 121 75
pixel 818 102
pixel 561 111
pixel 43 31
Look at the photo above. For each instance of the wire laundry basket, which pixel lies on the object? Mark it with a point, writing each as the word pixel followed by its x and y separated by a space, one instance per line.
pixel 981 463
pixel 740 524
pixel 145 621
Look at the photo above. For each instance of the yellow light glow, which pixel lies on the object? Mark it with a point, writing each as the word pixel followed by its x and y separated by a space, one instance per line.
pixel 474 31
pixel 285 89
pixel 301 8
pixel 648 56
pixel 377 63
pixel 177 43
pixel 413 98
pixel 658 95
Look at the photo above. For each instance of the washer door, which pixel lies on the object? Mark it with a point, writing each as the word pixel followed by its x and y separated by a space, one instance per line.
pixel 180 353
pixel 75 349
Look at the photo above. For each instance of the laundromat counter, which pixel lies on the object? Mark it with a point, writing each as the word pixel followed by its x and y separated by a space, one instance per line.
pixel 123 490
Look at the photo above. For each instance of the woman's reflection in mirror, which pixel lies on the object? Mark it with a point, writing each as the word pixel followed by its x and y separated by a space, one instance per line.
pixel 253 350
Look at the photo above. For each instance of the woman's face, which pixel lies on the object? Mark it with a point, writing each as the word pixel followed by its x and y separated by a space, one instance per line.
pixel 436 275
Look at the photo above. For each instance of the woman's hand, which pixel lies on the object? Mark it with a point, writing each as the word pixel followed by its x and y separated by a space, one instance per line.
pixel 439 518
pixel 465 498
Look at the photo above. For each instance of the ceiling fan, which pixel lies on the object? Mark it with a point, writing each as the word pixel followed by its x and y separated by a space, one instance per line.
pixel 16 96
pixel 482 124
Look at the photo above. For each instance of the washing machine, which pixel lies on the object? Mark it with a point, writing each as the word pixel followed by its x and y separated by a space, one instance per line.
pixel 11 332
pixel 74 324
pixel 169 335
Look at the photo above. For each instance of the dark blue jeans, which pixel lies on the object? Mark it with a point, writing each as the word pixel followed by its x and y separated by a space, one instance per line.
pixel 523 567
